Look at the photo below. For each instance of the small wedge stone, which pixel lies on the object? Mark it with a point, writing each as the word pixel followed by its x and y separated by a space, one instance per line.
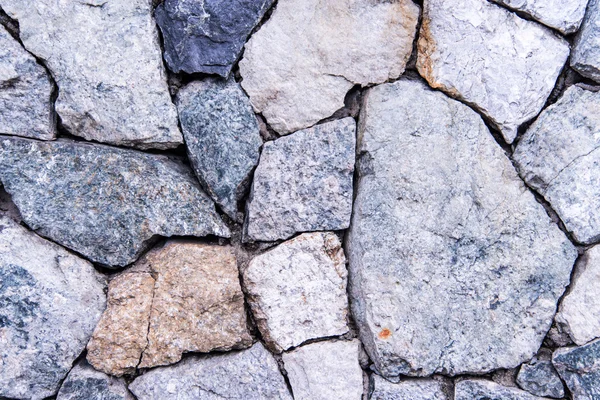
pixel 541 379
pixel 585 57
pixel 413 389
pixel 85 383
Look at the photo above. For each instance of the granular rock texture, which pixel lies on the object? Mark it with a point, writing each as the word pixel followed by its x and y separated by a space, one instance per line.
pixel 580 369
pixel 85 383
pixel 105 58
pixel 585 57
pixel 50 301
pixel 297 291
pixel 413 389
pixel 301 63
pixel 540 378
pixel 479 389
pixel 99 200
pixel 454 267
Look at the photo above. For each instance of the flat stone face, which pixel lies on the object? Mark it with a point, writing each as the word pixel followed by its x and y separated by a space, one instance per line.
pixel 207 36
pixel 106 60
pixel 585 57
pixel 325 371
pixel 26 108
pixel 541 379
pixel 517 61
pixel 250 374
pixel 85 383
pixel 580 369
pixel 222 138
pixel 303 183
pixel 100 200
pixel 558 157
pixel 297 291
pixel 414 389
pixel 50 301
pixel 454 266
pixel 479 389
pixel 301 63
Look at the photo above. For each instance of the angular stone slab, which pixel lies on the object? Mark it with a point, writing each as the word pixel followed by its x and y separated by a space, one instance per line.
pixel 479 389
pixel 50 302
pixel 26 106
pixel 585 57
pixel 541 379
pixel 558 157
pixel 303 182
pixel 103 202
pixel 222 138
pixel 454 266
pixel 85 383
pixel 580 369
pixel 301 63
pixel 517 61
pixel 207 36
pixel 106 60
pixel 297 291
pixel 250 374
pixel 413 389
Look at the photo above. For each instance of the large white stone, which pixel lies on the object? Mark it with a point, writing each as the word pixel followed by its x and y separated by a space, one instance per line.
pixel 585 57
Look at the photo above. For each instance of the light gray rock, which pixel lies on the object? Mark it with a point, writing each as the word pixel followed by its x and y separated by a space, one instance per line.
pixel 222 138
pixel 454 266
pixel 515 68
pixel 585 57
pixel 26 107
pixel 106 60
pixel 303 183
pixel 50 301
pixel 558 157
pixel 85 383
pixel 325 371
pixel 540 378
pixel 479 389
pixel 103 202
pixel 297 291
pixel 301 63
pixel 580 369
pixel 250 374
pixel 413 389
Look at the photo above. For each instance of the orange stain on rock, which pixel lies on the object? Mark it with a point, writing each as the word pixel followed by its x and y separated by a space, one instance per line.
pixel 385 334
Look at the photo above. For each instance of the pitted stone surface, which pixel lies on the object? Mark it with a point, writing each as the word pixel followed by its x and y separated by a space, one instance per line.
pixel 85 383
pixel 585 57
pixel 454 266
pixel 487 56
pixel 479 389
pixel 580 369
pixel 413 389
pixel 540 378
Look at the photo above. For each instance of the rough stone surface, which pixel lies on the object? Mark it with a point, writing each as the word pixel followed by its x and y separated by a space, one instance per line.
pixel 414 389
pixel 540 378
pixel 515 68
pixel 558 157
pixel 250 374
pixel 325 371
pixel 222 138
pixel 301 63
pixel 26 108
pixel 103 202
pixel 207 36
pixel 106 60
pixel 50 301
pixel 303 183
pixel 580 369
pixel 479 389
pixel 454 266
pixel 585 57
pixel 297 291
pixel 85 383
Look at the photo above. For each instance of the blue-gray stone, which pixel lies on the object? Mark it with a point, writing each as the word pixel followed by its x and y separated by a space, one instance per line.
pixel 540 378
pixel 580 369
pixel 85 383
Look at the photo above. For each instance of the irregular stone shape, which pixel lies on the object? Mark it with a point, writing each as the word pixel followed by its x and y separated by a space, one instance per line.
pixel 580 369
pixel 517 61
pixel 585 57
pixel 103 202
pixel 558 157
pixel 565 16
pixel 325 371
pixel 454 266
pixel 207 36
pixel 297 291
pixel 541 379
pixel 85 383
pixel 301 63
pixel 414 389
pixel 250 374
pixel 303 183
pixel 106 60
pixel 222 138
pixel 26 107
pixel 479 389
pixel 50 301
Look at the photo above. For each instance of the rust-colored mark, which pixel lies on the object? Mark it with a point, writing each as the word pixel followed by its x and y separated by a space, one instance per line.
pixel 385 334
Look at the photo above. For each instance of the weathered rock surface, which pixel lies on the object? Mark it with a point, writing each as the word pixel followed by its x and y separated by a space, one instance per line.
pixel 250 374
pixel 540 378
pixel 301 63
pixel 454 266
pixel 414 389
pixel 26 107
pixel 222 138
pixel 517 61
pixel 325 371
pixel 207 36
pixel 479 389
pixel 106 203
pixel 580 369
pixel 106 60
pixel 558 157
pixel 585 57
pixel 565 16
pixel 50 301
pixel 297 291
pixel 85 383
pixel 303 183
